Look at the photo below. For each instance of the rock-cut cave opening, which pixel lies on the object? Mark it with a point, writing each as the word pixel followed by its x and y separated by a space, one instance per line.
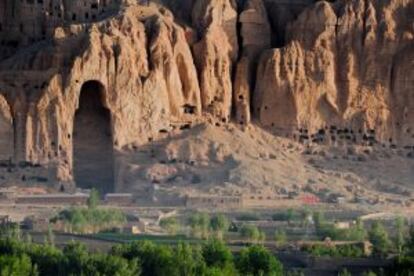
pixel 92 141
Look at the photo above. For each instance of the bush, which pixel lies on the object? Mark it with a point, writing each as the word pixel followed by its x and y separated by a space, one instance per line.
pixel 217 254
pixel 91 220
pixel 400 235
pixel 250 232
pixel 170 225
pixel 257 260
pixel 378 236
pixel 289 215
pixel 357 232
pixel 94 199
pixel 280 237
pixel 188 260
pixel 325 229
pixel 154 259
pixel 346 250
pixel 12 265
pixel 200 225
pixel 219 224
pixel 101 264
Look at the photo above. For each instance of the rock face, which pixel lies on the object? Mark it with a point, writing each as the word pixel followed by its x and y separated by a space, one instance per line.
pixel 142 65
pixel 215 54
pixel 256 37
pixel 342 67
pixel 6 131
pixel 343 73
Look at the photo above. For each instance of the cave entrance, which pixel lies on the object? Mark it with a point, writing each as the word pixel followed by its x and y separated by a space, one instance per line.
pixel 92 141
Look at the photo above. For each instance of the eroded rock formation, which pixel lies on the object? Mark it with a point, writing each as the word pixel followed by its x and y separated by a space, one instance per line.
pixel 343 72
pixel 339 68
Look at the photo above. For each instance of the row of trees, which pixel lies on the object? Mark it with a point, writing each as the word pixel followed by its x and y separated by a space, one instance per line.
pixel 87 220
pixel 202 225
pixel 138 258
pixel 383 243
pixel 91 219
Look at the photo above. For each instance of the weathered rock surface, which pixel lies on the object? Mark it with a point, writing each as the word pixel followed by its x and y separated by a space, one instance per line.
pixel 342 67
pixel 142 61
pixel 343 75
pixel 256 37
pixel 215 54
pixel 6 130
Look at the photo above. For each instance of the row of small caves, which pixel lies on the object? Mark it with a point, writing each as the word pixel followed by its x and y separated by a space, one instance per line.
pixel 93 144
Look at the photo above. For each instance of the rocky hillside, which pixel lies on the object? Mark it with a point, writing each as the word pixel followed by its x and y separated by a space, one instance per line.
pixel 338 73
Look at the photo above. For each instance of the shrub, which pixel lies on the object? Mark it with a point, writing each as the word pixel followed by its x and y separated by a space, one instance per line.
pixel 217 254
pixel 250 232
pixel 170 225
pixel 200 225
pixel 12 265
pixel 378 236
pixel 346 250
pixel 219 224
pixel 280 237
pixel 257 260
pixel 94 199
pixel 91 220
pixel 357 232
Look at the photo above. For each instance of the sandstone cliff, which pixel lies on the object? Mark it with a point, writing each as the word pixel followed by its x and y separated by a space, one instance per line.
pixel 346 65
pixel 343 74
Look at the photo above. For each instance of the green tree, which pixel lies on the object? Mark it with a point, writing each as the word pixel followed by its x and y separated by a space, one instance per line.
pixel 12 265
pixel 171 225
pixel 399 239
pixel 217 254
pixel 219 224
pixel 188 260
pixel 49 259
pixel 409 246
pixel 86 220
pixel 357 232
pixel 103 264
pixel 11 230
pixel 379 238
pixel 94 199
pixel 76 258
pixel 290 215
pixel 306 217
pixel 280 237
pixel 319 220
pixel 262 236
pixel 200 225
pixel 250 232
pixel 50 236
pixel 155 260
pixel 256 261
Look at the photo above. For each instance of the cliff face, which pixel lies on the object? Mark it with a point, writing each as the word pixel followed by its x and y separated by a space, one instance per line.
pixel 140 59
pixel 345 75
pixel 345 65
